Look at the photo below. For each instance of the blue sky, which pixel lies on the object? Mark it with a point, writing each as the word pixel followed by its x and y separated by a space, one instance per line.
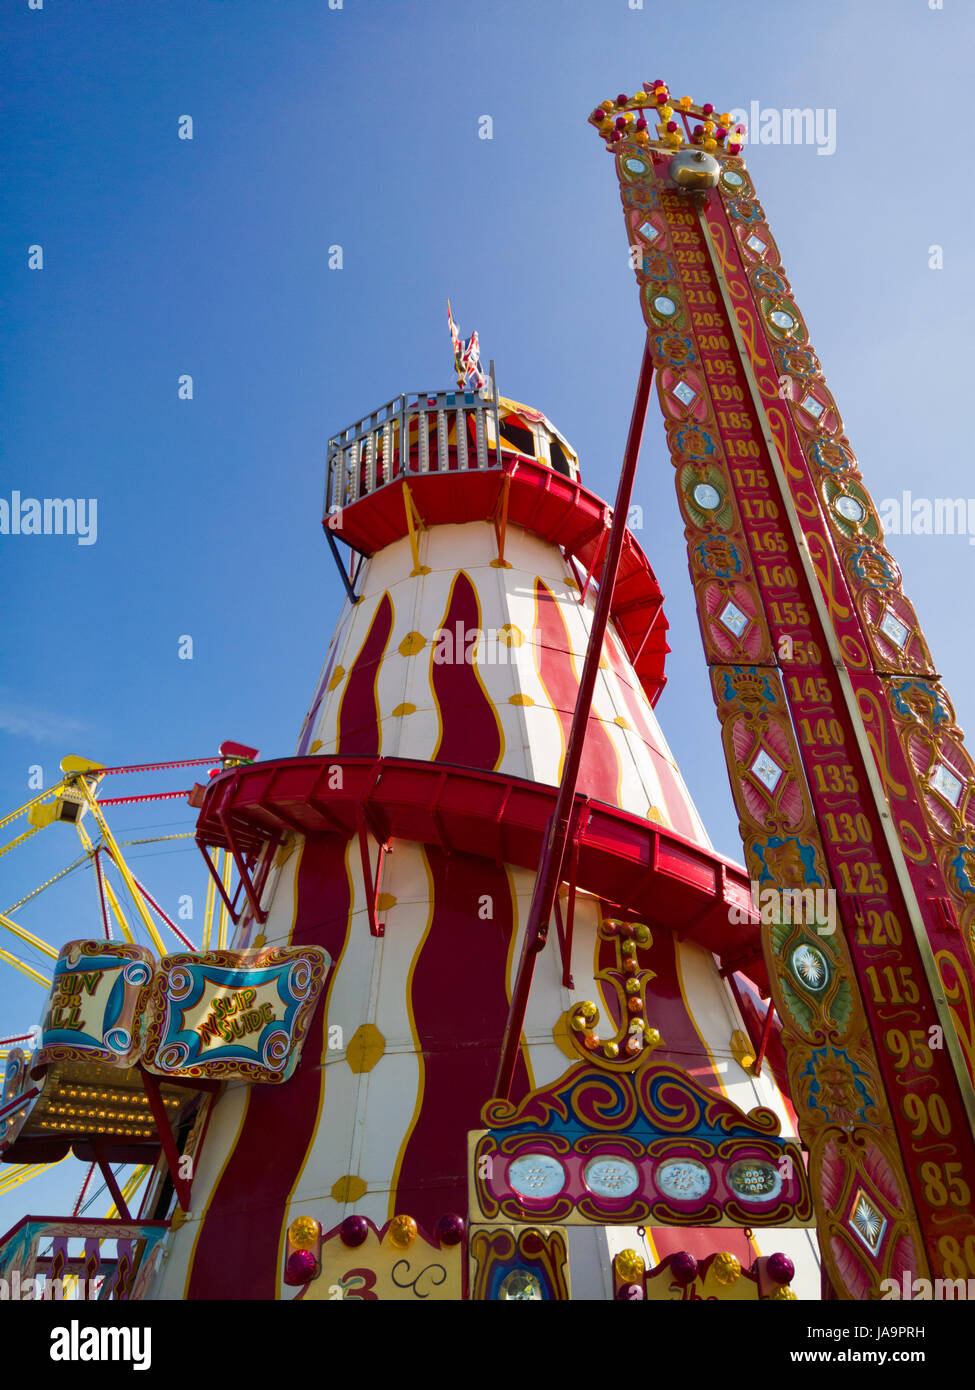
pixel 358 127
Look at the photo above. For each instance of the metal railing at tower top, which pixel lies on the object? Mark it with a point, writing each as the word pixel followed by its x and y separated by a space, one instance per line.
pixel 435 432
pixel 369 454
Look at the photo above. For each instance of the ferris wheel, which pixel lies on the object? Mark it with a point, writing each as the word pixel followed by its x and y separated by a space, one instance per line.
pixel 113 897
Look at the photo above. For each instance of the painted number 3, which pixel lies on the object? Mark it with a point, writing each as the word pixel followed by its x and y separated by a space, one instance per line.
pixel 355 1283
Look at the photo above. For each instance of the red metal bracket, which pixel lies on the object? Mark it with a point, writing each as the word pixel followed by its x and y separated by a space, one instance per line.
pixel 763 1044
pixel 263 871
pixel 376 927
pixel 109 1176
pixel 243 873
pixel 165 1132
pixel 218 881
pixel 650 627
pixel 596 556
pixel 500 515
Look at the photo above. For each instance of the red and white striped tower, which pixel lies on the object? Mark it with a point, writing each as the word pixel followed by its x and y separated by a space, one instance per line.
pixel 403 839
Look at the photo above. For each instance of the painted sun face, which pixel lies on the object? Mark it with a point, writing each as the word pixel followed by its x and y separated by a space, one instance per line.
pixel 785 861
pixel 921 705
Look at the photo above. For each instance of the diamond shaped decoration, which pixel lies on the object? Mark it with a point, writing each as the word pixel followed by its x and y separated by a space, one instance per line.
pixel 812 407
pixel 684 393
pixel 867 1222
pixel 756 244
pixel 648 231
pixel 894 630
pixel 366 1047
pixel 733 619
pixel 944 781
pixel 767 770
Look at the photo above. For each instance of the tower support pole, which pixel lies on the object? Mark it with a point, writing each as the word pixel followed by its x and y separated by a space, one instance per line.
pixel 557 833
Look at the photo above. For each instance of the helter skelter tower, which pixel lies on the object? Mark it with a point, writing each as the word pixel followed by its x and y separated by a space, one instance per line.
pixel 845 759
pixel 403 840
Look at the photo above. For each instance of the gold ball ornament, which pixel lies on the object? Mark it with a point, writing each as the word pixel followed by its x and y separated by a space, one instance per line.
pixel 611 1050
pixel 402 1232
pixel 583 1016
pixel 710 145
pixel 629 1266
pixel 641 137
pixel 725 1268
pixel 653 1037
pixel 303 1233
pixel 783 1292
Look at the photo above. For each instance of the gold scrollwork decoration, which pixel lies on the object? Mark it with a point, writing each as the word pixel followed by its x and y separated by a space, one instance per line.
pixel 746 327
pixel 876 728
pixel 911 843
pixel 959 996
pixel 823 565
pixel 780 433
pixel 853 652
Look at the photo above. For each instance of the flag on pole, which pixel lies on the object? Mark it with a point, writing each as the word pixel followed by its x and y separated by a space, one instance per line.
pixel 472 363
pixel 467 356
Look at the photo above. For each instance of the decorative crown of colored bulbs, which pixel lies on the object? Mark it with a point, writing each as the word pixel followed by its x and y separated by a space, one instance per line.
pixel 652 117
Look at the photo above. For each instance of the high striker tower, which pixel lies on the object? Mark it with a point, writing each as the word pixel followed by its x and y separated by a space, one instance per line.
pixel 844 756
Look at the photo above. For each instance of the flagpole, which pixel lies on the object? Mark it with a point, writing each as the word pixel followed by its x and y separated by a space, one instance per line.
pixel 497 417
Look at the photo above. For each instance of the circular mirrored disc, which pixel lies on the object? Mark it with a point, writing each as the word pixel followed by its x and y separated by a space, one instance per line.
pixel 706 496
pixel 782 320
pixel 848 507
pixel 809 966
pixel 755 1181
pixel 611 1177
pixel 537 1175
pixel 683 1178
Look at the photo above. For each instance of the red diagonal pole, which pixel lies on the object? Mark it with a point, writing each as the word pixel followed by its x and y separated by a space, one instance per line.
pixel 550 869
